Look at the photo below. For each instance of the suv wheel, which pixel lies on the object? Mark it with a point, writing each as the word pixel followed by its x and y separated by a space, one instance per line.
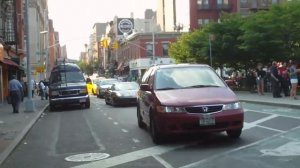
pixel 52 107
pixel 234 134
pixel 141 124
pixel 156 137
pixel 87 104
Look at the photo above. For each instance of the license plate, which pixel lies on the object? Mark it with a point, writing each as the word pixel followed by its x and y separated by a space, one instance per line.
pixel 82 100
pixel 207 120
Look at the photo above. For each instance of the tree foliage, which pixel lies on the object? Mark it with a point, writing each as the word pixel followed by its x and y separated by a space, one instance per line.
pixel 242 42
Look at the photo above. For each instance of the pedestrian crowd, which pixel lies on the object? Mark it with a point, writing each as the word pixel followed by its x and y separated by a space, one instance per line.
pixel 283 78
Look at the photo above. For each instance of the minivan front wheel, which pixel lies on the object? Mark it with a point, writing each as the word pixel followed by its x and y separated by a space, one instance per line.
pixel 156 137
pixel 141 124
pixel 234 134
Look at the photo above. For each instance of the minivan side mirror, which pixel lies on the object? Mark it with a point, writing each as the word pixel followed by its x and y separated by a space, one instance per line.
pixel 145 87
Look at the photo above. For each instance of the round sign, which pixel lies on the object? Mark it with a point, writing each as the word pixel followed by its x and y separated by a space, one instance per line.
pixel 125 26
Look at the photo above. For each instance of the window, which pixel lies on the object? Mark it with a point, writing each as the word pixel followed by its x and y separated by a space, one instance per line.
pixel 222 4
pixel 275 2
pixel 244 3
pixel 165 49
pixel 203 21
pixel 175 78
pixel 203 4
pixel 149 49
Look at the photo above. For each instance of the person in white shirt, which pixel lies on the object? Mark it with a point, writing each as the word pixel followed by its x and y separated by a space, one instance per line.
pixel 42 90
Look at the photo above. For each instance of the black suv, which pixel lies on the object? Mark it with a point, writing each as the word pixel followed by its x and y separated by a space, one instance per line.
pixel 67 86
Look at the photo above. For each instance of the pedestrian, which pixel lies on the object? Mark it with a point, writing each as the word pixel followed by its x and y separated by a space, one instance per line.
pixel 275 82
pixel 32 87
pixel 42 89
pixel 260 75
pixel 16 93
pixel 284 79
pixel 46 92
pixel 294 79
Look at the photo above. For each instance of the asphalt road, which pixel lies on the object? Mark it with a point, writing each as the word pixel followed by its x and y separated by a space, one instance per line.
pixel 105 136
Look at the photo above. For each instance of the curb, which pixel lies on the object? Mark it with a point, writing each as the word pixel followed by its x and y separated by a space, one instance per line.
pixel 271 103
pixel 20 136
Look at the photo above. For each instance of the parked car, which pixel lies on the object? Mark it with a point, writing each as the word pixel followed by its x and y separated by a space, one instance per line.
pixel 103 85
pixel 67 86
pixel 187 98
pixel 122 93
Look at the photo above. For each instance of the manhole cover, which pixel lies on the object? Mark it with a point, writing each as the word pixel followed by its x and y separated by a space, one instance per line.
pixel 86 157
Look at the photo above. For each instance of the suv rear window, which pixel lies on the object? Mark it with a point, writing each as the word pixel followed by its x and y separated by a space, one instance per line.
pixel 66 77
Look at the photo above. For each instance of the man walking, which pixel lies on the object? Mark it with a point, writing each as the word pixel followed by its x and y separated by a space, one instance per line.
pixel 16 93
pixel 275 80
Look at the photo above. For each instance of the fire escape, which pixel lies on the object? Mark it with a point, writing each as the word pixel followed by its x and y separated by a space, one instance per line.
pixel 8 22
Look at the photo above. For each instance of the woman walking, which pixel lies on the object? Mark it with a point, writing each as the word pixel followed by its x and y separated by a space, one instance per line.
pixel 294 79
pixel 260 75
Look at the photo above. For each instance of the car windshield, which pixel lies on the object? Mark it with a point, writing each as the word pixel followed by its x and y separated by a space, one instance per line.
pixel 66 77
pixel 96 81
pixel 179 78
pixel 108 82
pixel 127 86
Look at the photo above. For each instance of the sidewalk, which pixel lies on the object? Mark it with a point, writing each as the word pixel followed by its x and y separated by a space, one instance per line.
pixel 267 99
pixel 13 127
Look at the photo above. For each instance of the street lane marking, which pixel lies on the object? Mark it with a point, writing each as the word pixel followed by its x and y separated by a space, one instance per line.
pixel 272 129
pixel 109 118
pixel 116 123
pixel 288 149
pixel 215 157
pixel 105 114
pixel 163 162
pixel 132 156
pixel 124 130
pixel 135 140
pixel 255 123
pixel 267 112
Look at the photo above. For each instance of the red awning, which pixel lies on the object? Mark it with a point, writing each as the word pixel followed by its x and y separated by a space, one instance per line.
pixel 9 62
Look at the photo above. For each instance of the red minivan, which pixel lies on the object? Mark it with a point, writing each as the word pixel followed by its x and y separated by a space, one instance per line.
pixel 187 98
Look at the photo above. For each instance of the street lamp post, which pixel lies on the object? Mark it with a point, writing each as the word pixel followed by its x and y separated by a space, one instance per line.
pixel 210 38
pixel 153 41
pixel 29 104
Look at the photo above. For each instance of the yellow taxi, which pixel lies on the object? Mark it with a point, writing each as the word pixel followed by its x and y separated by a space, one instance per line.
pixel 91 86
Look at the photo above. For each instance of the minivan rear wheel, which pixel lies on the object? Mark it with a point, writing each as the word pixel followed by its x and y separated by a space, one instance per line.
pixel 234 134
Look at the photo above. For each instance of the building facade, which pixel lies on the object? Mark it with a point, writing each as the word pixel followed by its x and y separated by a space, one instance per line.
pixel 204 11
pixel 246 7
pixel 12 49
pixel 137 53
pixel 173 15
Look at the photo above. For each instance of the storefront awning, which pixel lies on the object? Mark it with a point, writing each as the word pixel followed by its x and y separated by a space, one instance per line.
pixel 9 62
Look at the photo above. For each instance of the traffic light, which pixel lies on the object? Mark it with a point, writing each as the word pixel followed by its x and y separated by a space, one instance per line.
pixel 115 45
pixel 101 43
pixel 104 43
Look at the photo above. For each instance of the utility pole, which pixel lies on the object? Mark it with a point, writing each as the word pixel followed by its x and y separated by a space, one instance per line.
pixel 29 104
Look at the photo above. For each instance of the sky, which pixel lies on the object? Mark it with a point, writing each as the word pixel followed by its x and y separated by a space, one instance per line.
pixel 74 19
